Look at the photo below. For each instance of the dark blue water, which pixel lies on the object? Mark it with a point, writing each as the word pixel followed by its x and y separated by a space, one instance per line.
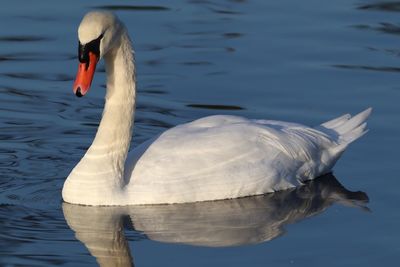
pixel 305 61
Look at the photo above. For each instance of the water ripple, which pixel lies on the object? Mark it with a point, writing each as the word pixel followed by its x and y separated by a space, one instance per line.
pixel 225 11
pixel 364 67
pixel 133 8
pixel 383 6
pixel 33 56
pixel 39 76
pixel 384 27
pixel 217 107
pixel 25 38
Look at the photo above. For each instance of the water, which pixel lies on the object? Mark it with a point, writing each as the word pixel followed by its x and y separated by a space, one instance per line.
pixel 298 61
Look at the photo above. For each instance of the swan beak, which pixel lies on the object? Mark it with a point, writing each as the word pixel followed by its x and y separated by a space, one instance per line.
pixel 85 75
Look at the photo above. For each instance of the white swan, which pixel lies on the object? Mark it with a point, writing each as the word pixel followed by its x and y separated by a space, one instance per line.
pixel 217 157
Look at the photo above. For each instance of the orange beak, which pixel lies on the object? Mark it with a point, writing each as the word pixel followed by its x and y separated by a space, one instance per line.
pixel 85 74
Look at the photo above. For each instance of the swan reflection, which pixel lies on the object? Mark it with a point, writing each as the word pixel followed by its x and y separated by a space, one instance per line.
pixel 233 222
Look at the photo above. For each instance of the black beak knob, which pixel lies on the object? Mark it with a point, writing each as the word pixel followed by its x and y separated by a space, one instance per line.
pixel 78 92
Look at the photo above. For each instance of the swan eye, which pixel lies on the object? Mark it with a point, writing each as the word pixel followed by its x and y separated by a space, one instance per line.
pixel 93 46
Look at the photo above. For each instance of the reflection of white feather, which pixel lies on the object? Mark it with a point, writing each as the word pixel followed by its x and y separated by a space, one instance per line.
pixel 214 223
pixel 217 157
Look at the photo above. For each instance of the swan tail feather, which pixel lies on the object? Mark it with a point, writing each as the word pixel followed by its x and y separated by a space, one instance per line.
pixel 346 129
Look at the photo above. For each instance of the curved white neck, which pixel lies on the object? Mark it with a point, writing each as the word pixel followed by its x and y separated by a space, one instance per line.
pixel 104 160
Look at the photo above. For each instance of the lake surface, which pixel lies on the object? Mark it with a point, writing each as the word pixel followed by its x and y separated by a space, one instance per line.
pixel 305 62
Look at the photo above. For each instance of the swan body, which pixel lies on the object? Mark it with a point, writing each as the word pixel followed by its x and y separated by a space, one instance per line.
pixel 216 157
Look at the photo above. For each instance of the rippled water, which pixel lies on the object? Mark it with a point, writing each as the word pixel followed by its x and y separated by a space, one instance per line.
pixel 303 61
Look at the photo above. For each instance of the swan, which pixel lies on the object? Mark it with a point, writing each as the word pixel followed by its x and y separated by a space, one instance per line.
pixel 212 158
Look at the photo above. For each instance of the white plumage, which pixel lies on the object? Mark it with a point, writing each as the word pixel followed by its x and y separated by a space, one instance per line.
pixel 216 157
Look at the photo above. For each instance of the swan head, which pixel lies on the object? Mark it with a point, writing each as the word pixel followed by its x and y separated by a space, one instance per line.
pixel 97 34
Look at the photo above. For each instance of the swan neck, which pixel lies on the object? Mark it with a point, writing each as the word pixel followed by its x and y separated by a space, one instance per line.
pixel 120 70
pixel 114 133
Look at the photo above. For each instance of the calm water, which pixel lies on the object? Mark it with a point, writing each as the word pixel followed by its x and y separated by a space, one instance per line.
pixel 305 61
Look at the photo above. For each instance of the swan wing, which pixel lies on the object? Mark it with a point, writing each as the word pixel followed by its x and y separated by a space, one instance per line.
pixel 220 157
